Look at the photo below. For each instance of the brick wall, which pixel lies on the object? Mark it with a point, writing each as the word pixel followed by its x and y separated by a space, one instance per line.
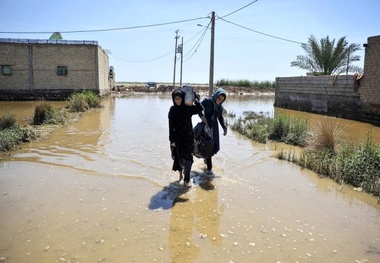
pixel 370 84
pixel 34 69
pixel 80 62
pixel 328 95
pixel 103 73
pixel 18 57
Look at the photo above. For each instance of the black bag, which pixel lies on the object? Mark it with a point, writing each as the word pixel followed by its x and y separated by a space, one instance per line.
pixel 203 142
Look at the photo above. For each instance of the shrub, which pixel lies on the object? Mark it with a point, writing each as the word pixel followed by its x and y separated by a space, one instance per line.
pixel 8 140
pixel 43 114
pixel 78 103
pixel 82 101
pixel 299 131
pixel 294 131
pixel 325 136
pixel 11 138
pixel 92 99
pixel 8 122
pixel 258 133
pixel 280 127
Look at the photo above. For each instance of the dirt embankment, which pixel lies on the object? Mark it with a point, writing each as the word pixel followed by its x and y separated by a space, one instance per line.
pixel 202 89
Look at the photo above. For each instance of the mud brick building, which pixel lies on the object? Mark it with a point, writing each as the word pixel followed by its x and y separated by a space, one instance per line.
pixel 51 69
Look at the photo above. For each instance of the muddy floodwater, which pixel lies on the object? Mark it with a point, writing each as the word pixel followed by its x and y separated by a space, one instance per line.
pixel 101 190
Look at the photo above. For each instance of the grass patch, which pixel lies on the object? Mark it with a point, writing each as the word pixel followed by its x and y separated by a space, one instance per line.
pixel 252 125
pixel 294 131
pixel 281 128
pixel 358 166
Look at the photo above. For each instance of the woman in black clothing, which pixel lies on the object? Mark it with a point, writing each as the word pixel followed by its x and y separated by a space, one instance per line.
pixel 181 134
pixel 213 114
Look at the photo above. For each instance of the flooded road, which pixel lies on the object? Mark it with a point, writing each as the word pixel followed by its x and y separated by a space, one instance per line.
pixel 102 190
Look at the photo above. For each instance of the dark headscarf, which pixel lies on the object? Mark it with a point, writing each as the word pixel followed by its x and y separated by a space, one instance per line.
pixel 178 93
pixel 180 124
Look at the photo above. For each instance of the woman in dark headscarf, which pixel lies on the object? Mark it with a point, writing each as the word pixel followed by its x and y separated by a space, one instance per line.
pixel 213 113
pixel 181 134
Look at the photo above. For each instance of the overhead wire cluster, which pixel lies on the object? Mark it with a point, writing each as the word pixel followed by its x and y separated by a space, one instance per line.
pixel 198 43
pixel 191 51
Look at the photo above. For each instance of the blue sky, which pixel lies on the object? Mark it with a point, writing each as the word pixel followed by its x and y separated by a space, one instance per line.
pixel 147 53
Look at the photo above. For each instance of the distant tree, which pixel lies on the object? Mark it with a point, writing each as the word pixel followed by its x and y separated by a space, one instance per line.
pixel 326 58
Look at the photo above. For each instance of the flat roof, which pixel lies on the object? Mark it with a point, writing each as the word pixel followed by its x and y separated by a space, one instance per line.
pixel 48 41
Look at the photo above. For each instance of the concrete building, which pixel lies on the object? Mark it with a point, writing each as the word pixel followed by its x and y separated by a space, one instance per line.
pixel 52 69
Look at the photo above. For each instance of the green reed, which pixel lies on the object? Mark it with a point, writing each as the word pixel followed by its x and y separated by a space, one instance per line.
pixel 246 84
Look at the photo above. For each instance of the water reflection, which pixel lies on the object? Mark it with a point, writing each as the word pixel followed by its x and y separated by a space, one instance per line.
pixel 24 110
pixel 182 244
pixel 348 131
pixel 102 189
pixel 195 219
pixel 259 104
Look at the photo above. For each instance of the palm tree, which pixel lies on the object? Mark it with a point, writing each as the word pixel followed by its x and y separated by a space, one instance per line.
pixel 324 58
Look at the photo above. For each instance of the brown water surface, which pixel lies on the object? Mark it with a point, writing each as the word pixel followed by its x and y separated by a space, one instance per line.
pixel 102 190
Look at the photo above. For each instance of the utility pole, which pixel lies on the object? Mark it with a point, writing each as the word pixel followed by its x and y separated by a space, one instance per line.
pixel 175 55
pixel 181 51
pixel 211 78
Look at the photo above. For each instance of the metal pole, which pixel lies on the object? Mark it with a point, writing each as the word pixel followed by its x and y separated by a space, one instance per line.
pixel 180 81
pixel 175 55
pixel 211 79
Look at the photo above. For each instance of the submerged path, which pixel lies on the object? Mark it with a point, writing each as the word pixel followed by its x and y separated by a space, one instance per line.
pixel 101 190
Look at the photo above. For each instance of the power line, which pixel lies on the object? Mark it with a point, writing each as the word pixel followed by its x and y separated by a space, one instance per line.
pixel 199 41
pixel 240 9
pixel 167 23
pixel 110 29
pixel 160 24
pixel 265 34
pixel 258 32
pixel 202 31
pixel 167 54
pixel 143 61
